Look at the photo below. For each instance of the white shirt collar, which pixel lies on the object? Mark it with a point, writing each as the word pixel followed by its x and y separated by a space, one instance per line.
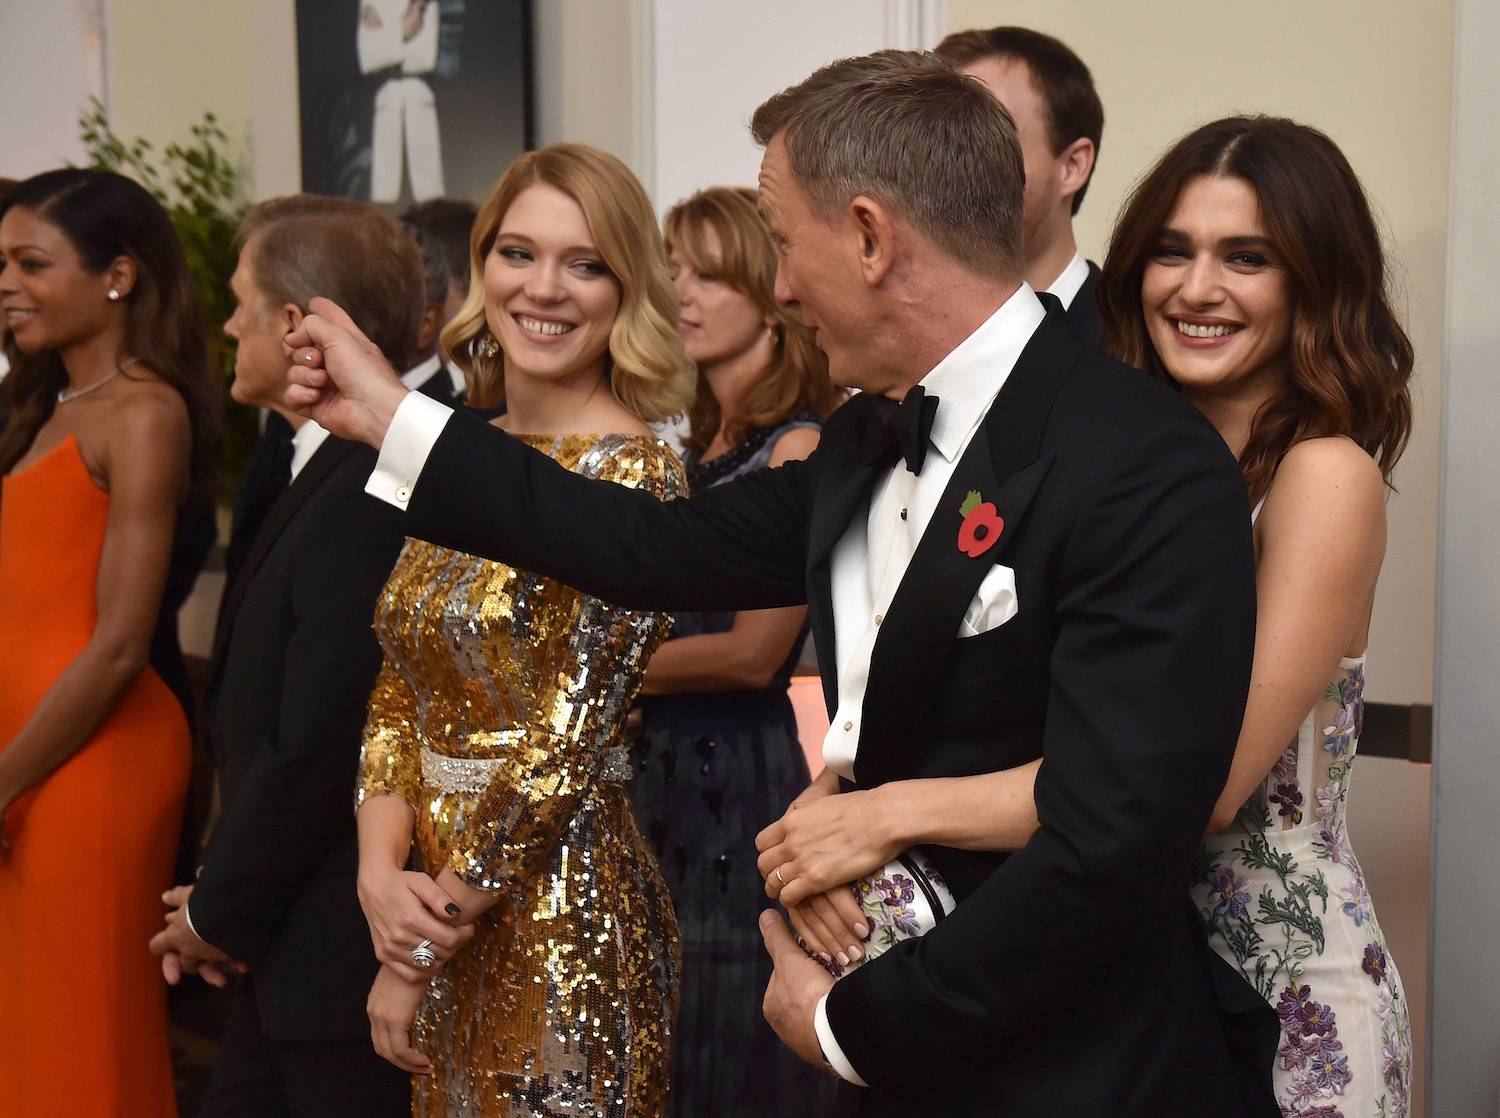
pixel 1067 285
pixel 419 374
pixel 305 442
pixel 968 379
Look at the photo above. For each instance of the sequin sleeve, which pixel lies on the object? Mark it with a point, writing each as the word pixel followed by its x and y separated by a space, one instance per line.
pixel 389 759
pixel 591 676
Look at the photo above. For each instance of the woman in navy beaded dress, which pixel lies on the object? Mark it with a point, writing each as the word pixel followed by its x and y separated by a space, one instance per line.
pixel 719 757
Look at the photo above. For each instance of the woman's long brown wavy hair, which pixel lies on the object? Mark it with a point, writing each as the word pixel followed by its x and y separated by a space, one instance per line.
pixel 797 379
pixel 1350 359
pixel 106 216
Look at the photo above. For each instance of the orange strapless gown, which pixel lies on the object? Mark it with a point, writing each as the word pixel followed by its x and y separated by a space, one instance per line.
pixel 83 1015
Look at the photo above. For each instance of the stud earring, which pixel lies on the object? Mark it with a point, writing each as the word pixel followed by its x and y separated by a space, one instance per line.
pixel 114 296
pixel 486 345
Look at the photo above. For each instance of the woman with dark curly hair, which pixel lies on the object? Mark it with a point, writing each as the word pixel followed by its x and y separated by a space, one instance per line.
pixel 1247 270
pixel 105 521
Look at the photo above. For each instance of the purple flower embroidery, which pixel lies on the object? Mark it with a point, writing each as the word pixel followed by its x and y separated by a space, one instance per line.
pixel 1315 1018
pixel 1293 998
pixel 1357 904
pixel 1374 963
pixel 1290 799
pixel 1337 732
pixel 1330 1074
pixel 1230 894
pixel 1293 1055
pixel 905 920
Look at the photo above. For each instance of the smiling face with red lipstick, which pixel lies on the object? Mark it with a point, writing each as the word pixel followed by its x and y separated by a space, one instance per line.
pixel 1215 295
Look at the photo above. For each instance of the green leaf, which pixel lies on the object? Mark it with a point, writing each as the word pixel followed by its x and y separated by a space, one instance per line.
pixel 971 502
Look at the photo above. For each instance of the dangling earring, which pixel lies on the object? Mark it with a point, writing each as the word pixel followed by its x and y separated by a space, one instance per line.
pixel 114 296
pixel 486 345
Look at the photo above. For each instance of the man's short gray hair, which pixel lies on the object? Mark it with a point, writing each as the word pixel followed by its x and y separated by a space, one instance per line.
pixel 905 128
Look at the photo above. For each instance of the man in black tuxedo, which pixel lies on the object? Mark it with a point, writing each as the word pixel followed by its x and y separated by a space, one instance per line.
pixel 1050 94
pixel 293 663
pixel 1101 620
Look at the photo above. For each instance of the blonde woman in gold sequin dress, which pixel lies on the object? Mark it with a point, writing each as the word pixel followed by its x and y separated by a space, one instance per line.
pixel 494 756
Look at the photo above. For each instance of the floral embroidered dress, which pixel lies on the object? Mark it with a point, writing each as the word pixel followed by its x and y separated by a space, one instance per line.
pixel 1284 900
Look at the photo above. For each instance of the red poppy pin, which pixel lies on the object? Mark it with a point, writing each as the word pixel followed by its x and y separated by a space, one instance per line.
pixel 981 528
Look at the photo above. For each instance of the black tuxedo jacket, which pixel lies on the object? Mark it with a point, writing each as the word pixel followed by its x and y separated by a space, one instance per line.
pixel 1083 311
pixel 294 660
pixel 1073 978
pixel 440 387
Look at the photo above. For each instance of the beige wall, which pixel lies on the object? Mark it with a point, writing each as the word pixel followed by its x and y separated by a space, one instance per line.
pixel 1376 76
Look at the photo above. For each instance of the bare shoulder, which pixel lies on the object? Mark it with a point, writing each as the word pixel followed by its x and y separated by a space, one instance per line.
pixel 795 445
pixel 1334 467
pixel 146 422
pixel 1329 484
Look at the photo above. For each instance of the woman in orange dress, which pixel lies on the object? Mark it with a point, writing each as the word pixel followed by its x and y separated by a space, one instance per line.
pixel 105 459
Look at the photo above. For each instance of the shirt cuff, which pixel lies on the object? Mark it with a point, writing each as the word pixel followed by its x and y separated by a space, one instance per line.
pixel 414 430
pixel 187 914
pixel 831 1050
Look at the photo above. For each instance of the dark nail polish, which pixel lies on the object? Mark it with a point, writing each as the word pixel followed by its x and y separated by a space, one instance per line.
pixel 452 909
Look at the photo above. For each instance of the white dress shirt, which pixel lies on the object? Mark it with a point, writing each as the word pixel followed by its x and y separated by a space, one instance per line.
pixel 1067 285
pixel 871 557
pixel 305 442
pixel 419 374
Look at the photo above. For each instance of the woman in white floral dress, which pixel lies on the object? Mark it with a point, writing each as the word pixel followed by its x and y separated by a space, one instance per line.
pixel 1246 270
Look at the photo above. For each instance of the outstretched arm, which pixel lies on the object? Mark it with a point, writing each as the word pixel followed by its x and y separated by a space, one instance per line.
pixel 737 546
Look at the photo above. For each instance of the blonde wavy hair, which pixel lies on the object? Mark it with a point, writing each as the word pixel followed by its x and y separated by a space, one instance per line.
pixel 647 369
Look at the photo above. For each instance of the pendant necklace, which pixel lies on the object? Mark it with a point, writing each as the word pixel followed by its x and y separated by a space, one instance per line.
pixel 65 394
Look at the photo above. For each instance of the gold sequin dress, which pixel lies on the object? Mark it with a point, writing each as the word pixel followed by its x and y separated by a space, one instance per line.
pixel 498 716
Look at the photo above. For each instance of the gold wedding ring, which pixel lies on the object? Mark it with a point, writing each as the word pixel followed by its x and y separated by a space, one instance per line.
pixel 779 878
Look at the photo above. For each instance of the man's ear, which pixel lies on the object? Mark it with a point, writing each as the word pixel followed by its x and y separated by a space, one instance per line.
pixel 289 317
pixel 1077 163
pixel 427 329
pixel 877 238
pixel 120 275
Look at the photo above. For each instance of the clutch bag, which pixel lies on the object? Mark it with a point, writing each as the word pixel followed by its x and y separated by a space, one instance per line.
pixel 904 899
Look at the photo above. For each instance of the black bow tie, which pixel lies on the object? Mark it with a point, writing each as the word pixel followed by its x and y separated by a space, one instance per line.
pixel 900 430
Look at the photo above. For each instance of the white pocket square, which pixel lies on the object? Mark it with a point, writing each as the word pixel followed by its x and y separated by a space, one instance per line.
pixel 993 605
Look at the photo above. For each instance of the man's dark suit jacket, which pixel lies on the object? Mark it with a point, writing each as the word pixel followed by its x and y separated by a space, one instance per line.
pixel 1083 311
pixel 294 661
pixel 1074 978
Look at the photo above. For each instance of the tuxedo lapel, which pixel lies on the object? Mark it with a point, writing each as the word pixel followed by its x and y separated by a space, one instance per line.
pixel 1001 464
pixel 323 462
pixel 843 491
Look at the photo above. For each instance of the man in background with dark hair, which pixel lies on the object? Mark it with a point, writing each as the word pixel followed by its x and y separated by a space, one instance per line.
pixel 441 229
pixel 1050 94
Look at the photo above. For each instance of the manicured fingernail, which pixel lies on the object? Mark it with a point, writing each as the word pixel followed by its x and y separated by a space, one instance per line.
pixel 843 959
pixel 854 953
pixel 862 931
pixel 823 957
pixel 452 909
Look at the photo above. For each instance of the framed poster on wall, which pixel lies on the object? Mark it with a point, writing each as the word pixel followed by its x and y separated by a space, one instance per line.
pixel 406 100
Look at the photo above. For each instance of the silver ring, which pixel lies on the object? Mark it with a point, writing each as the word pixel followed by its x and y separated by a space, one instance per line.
pixel 422 955
pixel 779 878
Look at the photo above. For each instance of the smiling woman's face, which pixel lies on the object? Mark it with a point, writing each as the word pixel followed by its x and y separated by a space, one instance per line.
pixel 50 301
pixel 1215 294
pixel 549 298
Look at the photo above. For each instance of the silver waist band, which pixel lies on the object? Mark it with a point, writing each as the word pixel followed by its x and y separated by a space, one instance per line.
pixel 454 775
